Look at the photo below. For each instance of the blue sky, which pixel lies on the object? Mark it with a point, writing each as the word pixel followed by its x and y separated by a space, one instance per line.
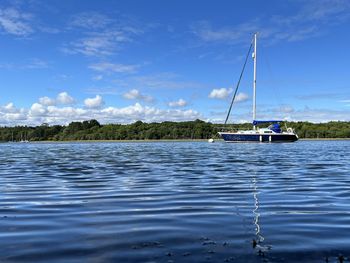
pixel 122 61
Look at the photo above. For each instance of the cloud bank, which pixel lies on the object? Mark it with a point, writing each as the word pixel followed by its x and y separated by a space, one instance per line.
pixel 59 111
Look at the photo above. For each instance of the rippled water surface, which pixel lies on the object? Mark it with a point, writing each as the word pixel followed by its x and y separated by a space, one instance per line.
pixel 175 202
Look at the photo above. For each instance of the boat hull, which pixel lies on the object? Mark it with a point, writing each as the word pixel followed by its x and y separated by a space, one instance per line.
pixel 238 137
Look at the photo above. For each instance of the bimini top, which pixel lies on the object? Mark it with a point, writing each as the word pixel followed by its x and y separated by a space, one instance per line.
pixel 255 122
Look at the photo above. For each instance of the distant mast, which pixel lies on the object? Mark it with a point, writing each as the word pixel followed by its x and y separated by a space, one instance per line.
pixel 254 81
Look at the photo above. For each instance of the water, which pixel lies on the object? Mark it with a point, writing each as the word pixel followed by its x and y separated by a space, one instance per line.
pixel 175 202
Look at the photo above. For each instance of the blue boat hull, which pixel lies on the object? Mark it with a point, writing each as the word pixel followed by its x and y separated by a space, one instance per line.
pixel 236 137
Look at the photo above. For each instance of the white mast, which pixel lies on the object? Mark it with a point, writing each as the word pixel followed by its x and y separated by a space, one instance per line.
pixel 254 83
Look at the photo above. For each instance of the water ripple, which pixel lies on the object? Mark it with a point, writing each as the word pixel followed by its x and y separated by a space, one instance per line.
pixel 174 201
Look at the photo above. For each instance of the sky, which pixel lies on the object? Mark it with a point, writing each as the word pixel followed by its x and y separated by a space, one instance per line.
pixel 155 60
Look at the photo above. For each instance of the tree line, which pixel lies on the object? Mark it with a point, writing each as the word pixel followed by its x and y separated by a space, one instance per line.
pixel 198 129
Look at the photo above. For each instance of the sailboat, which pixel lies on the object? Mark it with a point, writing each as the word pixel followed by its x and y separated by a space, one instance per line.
pixel 25 140
pixel 273 133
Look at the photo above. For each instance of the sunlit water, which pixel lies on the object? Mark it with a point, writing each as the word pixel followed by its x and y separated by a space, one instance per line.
pixel 175 202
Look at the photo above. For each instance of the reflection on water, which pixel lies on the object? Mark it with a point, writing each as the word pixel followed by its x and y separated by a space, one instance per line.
pixel 258 243
pixel 167 202
pixel 259 237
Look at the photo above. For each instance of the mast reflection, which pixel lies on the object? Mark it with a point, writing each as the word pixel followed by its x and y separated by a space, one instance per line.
pixel 258 243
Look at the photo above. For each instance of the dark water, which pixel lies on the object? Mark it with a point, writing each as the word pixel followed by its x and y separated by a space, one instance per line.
pixel 175 202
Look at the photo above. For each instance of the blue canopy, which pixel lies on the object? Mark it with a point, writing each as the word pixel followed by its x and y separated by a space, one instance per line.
pixel 255 122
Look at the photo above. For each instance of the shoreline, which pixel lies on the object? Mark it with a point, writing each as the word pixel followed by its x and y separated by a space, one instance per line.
pixel 324 139
pixel 121 141
pixel 166 140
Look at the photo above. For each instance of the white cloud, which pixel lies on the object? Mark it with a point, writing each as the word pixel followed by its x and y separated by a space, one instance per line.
pixel 96 102
pixel 37 110
pixel 100 35
pixel 15 22
pixel 149 114
pixel 10 115
pixel 114 68
pixel 240 97
pixel 312 19
pixel 101 43
pixel 47 101
pixel 64 98
pixel 38 114
pixel 324 11
pixel 222 93
pixel 134 94
pixel 10 107
pixel 314 115
pixel 178 103
pixel 317 115
pixel 97 45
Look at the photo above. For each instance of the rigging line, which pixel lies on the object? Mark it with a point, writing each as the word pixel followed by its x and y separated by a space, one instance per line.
pixel 239 81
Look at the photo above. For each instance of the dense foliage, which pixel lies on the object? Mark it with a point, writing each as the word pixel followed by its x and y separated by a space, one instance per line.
pixel 93 130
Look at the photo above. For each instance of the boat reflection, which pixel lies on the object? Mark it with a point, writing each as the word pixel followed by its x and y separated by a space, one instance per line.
pixel 258 243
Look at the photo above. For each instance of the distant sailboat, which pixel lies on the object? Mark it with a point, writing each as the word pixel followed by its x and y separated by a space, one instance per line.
pixel 25 140
pixel 272 133
pixel 12 140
